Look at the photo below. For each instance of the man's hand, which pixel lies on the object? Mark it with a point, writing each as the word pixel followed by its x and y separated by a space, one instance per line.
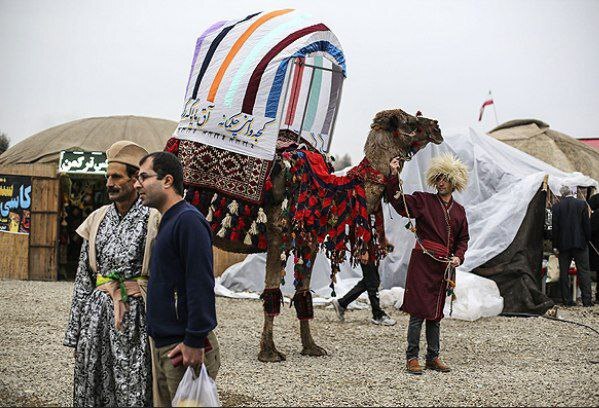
pixel 455 261
pixel 191 356
pixel 395 165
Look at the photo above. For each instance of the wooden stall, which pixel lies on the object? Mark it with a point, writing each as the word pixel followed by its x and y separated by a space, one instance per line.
pixel 33 255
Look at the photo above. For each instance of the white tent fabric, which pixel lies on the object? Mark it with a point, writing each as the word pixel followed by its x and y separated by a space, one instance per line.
pixel 503 180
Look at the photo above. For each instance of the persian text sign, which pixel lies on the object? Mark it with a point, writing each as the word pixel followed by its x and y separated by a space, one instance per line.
pixel 228 129
pixel 82 162
pixel 15 204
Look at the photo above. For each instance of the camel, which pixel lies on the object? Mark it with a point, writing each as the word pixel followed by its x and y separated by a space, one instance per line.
pixel 393 133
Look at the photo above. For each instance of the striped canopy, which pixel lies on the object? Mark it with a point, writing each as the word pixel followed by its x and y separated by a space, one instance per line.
pixel 267 71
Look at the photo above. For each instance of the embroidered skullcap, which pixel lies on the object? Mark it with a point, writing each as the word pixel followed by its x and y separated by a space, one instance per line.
pixel 449 166
pixel 126 152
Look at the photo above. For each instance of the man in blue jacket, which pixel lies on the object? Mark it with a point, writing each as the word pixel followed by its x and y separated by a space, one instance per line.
pixel 571 232
pixel 181 311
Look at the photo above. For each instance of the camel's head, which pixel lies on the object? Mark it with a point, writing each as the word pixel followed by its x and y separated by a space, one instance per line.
pixel 408 127
pixel 412 132
pixel 394 133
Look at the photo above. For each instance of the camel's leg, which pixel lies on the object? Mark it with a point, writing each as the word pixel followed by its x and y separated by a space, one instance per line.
pixel 268 351
pixel 309 347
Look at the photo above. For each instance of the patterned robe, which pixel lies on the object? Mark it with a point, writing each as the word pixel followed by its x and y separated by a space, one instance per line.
pixel 112 368
pixel 425 290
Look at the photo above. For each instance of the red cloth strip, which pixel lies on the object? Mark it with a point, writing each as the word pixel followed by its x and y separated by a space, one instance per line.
pixel 437 249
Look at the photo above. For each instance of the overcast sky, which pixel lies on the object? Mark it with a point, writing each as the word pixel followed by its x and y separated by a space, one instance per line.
pixel 64 60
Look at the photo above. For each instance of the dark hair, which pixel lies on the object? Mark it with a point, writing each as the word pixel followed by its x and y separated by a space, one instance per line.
pixel 164 163
pixel 131 170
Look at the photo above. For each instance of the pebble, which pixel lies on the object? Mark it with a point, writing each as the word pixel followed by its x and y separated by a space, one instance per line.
pixel 497 361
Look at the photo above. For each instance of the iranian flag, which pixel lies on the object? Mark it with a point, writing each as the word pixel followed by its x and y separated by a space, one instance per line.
pixel 482 108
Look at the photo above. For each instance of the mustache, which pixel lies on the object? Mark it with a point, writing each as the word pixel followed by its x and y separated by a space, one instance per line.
pixel 113 189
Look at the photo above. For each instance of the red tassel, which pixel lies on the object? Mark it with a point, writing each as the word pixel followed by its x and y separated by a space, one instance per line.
pixel 196 198
pixel 172 146
pixel 262 243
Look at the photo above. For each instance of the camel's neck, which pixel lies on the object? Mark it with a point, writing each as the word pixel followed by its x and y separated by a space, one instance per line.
pixel 379 159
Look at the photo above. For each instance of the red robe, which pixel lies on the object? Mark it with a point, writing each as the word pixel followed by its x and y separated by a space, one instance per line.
pixel 425 288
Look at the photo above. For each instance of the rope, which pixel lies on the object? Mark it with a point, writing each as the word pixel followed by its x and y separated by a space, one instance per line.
pixel 516 314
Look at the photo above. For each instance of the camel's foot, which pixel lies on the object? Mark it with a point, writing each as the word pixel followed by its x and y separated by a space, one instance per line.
pixel 313 350
pixel 271 356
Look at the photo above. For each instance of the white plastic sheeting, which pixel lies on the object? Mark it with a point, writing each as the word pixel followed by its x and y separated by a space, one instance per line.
pixel 503 180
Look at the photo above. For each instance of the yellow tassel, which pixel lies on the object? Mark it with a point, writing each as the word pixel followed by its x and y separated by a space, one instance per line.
pixel 214 198
pixel 227 221
pixel 253 229
pixel 222 232
pixel 261 216
pixel 233 207
pixel 248 239
pixel 210 215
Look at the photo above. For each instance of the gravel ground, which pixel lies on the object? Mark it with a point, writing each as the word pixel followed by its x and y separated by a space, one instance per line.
pixel 496 361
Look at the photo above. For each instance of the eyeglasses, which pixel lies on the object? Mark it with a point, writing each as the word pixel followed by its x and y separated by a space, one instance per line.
pixel 143 177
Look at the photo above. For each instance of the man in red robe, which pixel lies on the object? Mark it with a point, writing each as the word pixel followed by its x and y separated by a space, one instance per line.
pixel 442 239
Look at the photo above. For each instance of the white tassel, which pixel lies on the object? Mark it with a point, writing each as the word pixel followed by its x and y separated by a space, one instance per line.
pixel 283 256
pixel 262 216
pixel 233 207
pixel 248 239
pixel 253 229
pixel 222 232
pixel 213 198
pixel 284 205
pixel 210 215
pixel 287 164
pixel 227 221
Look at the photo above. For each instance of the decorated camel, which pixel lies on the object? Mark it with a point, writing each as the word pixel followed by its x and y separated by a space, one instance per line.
pixel 281 225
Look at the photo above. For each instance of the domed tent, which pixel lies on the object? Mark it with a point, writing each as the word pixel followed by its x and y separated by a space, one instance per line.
pixel 557 149
pixel 34 196
pixel 90 135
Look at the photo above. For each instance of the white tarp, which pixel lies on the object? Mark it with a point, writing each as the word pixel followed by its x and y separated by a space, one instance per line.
pixel 503 180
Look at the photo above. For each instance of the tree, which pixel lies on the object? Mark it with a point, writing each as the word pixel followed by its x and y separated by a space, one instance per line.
pixel 4 142
pixel 341 162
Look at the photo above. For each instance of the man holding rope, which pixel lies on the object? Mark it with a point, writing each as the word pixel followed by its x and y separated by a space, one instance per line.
pixel 441 241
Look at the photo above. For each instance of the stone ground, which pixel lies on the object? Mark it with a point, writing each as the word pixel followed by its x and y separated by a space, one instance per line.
pixel 497 361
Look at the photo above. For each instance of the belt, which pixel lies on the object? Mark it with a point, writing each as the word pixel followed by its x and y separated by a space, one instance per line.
pixel 437 249
pixel 119 289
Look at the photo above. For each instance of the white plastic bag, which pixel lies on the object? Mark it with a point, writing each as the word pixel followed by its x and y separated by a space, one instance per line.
pixel 552 269
pixel 197 391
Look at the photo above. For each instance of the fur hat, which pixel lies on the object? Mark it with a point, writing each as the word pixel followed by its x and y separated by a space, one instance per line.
pixel 449 166
pixel 126 152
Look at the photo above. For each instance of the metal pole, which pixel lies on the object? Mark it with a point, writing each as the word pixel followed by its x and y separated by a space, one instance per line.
pixel 494 110
pixel 335 115
pixel 306 106
pixel 323 68
pixel 288 79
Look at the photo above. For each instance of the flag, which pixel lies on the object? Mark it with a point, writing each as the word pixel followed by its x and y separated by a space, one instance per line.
pixel 482 108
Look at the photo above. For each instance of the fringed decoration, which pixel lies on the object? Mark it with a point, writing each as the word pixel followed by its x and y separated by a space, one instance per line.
pixel 227 221
pixel 248 239
pixel 262 219
pixel 233 207
pixel 210 215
